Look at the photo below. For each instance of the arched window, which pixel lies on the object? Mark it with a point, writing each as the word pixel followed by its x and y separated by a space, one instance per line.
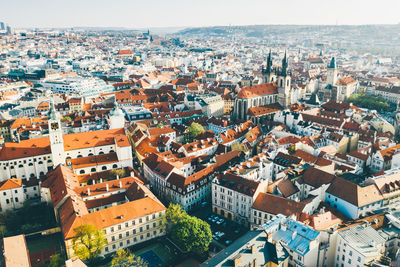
pixel 93 169
pixel 40 162
pixel 11 167
pixel 115 166
pixel 79 156
pixel 104 168
pixel 112 151
pixel 20 166
pixel 41 173
pixel 101 153
pixel 90 154
pixel 32 175
pixel 82 171
pixel 30 164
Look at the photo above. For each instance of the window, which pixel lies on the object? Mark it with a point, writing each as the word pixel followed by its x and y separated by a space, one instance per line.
pixel 7 201
pixel 119 227
pixel 106 249
pixel 359 259
pixel 113 238
pixel 16 199
pixel 127 233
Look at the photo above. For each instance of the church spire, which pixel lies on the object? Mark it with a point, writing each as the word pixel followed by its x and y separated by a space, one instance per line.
pixel 284 65
pixel 269 62
pixel 332 65
pixel 52 110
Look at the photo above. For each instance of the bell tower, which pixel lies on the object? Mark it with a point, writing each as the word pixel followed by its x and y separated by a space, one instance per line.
pixel 117 117
pixel 268 73
pixel 284 84
pixel 332 75
pixel 56 136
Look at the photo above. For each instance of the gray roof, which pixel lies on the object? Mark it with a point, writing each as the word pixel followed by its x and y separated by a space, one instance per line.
pixel 362 238
pixel 242 247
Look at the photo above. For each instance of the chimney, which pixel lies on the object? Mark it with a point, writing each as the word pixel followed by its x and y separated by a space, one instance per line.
pixel 101 180
pixel 107 187
pixel 372 243
pixel 294 234
pixel 120 184
pixel 88 191
pixel 253 249
pixel 237 260
pixel 255 262
pixel 117 177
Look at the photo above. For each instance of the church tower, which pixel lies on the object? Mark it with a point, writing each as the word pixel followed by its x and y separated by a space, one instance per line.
pixel 56 136
pixel 117 117
pixel 268 73
pixel 332 75
pixel 284 85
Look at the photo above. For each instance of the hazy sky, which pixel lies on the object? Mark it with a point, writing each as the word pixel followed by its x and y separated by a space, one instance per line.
pixel 166 13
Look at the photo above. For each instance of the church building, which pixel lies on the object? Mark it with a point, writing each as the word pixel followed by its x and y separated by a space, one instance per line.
pixel 275 88
pixel 85 152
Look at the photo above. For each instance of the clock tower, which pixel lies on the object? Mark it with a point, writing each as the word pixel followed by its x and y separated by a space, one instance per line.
pixel 56 136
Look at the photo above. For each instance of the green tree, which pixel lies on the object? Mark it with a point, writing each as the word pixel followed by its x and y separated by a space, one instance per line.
pixel 66 118
pixel 192 234
pixel 88 242
pixel 56 261
pixel 124 258
pixel 173 215
pixel 194 130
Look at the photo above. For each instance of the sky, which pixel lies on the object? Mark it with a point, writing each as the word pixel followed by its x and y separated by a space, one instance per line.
pixel 195 13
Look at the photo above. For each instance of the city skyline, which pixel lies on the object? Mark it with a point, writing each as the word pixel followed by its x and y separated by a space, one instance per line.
pixel 175 13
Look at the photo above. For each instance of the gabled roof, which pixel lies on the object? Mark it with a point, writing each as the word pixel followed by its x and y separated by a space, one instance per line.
pixel 316 177
pixel 257 90
pixel 10 184
pixel 353 193
pixel 273 204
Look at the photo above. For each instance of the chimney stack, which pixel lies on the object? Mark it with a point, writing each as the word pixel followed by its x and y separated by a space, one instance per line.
pixel 107 187
pixel 120 184
pixel 88 191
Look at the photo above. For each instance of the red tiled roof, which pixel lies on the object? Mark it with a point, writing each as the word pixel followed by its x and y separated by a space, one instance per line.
pixel 257 90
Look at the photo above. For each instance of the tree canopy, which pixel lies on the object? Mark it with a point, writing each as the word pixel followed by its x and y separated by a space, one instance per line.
pixel 194 130
pixel 370 102
pixel 124 258
pixel 190 233
pixel 56 261
pixel 88 242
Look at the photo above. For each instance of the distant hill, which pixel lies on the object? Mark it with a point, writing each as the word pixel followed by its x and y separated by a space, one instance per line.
pixel 383 31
